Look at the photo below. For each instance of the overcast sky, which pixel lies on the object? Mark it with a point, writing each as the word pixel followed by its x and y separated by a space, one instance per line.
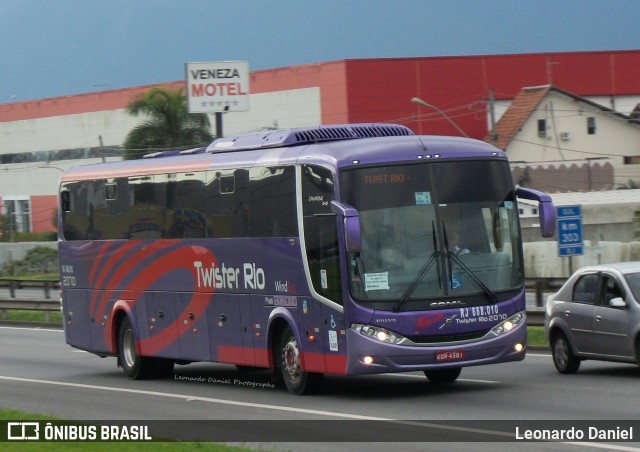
pixel 54 48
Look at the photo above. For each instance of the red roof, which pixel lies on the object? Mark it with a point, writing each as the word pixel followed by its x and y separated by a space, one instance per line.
pixel 515 116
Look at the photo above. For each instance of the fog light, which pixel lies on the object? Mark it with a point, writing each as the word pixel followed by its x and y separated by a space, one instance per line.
pixel 367 360
pixel 519 347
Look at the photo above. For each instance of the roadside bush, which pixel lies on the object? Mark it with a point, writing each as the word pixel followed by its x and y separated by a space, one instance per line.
pixel 38 260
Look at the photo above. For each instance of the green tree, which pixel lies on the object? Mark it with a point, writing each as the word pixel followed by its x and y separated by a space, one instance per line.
pixel 169 124
pixel 631 185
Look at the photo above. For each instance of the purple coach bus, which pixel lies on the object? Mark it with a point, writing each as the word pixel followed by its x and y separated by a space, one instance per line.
pixel 343 249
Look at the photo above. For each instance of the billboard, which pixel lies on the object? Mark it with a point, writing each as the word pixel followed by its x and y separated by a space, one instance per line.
pixel 217 86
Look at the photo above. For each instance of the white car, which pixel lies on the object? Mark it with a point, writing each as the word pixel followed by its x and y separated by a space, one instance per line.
pixel 595 315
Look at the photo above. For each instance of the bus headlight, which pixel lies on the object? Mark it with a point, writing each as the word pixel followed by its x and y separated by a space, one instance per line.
pixel 509 324
pixel 380 334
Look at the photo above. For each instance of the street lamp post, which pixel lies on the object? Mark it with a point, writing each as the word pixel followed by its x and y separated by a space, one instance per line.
pixel 417 100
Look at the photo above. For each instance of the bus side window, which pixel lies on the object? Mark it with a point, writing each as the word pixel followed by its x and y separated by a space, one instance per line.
pixel 273 202
pixel 74 210
pixel 65 201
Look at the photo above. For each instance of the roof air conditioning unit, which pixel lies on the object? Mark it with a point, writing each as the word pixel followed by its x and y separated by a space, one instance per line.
pixel 566 136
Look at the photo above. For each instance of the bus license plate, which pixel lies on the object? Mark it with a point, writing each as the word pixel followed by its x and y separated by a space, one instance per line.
pixel 449 355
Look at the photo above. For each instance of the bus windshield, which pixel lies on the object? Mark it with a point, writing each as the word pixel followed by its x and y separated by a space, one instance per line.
pixel 434 230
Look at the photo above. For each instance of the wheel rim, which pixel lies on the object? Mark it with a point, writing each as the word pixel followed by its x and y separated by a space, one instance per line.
pixel 561 353
pixel 291 359
pixel 129 348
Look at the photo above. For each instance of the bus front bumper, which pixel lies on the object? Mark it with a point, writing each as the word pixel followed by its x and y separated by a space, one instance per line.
pixel 369 356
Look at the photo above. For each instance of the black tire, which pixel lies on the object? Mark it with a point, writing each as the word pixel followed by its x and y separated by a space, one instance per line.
pixel 563 358
pixel 138 367
pixel 297 381
pixel 440 376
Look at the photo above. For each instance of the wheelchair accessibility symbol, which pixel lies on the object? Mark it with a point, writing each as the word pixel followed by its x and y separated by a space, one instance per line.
pixel 456 281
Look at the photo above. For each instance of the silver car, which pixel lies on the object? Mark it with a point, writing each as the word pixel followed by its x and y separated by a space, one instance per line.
pixel 595 315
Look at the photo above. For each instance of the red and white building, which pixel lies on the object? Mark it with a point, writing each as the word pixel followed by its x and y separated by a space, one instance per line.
pixel 41 138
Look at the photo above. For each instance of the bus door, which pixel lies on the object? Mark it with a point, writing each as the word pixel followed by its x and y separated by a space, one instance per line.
pixel 335 340
pixel 311 332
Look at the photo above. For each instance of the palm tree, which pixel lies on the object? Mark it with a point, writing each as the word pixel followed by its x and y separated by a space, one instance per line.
pixel 170 125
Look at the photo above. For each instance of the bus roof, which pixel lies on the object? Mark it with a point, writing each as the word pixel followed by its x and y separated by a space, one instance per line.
pixel 338 146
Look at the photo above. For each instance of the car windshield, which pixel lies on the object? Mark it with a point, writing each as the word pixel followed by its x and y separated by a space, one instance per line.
pixel 633 279
pixel 434 230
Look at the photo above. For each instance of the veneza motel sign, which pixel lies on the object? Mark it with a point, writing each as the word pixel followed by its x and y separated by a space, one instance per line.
pixel 218 86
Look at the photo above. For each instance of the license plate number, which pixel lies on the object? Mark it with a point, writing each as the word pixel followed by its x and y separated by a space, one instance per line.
pixel 449 355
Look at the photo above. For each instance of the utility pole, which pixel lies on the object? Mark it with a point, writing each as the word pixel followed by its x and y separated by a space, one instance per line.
pixel 101 147
pixel 219 124
pixel 492 114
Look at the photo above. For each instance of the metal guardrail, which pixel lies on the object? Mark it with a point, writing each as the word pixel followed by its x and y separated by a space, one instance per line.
pixel 15 284
pixel 535 315
pixel 29 304
pixel 45 305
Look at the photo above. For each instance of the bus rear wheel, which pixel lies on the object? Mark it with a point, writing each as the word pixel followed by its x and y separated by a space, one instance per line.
pixel 295 379
pixel 443 375
pixel 138 367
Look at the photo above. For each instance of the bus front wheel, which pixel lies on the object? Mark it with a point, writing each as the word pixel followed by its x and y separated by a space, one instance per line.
pixel 295 379
pixel 138 367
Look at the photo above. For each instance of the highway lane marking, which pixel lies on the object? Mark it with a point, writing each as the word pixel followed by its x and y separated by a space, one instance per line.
pixel 422 377
pixel 539 355
pixel 190 398
pixel 204 399
pixel 31 328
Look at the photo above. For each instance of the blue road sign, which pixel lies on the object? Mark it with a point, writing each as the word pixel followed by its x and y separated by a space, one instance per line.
pixel 569 230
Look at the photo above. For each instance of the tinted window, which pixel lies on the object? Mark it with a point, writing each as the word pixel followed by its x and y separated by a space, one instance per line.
pixel 74 215
pixel 584 290
pixel 186 206
pixel 253 202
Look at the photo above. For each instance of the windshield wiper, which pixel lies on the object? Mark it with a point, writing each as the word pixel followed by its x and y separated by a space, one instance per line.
pixel 434 258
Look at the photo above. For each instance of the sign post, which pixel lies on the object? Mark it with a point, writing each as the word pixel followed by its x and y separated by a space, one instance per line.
pixel 569 231
pixel 217 87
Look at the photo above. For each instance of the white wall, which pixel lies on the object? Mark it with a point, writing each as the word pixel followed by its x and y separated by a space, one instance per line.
pixel 291 108
pixel 542 260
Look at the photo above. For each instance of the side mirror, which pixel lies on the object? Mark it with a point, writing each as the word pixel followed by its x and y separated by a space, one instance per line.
pixel 351 226
pixel 547 216
pixel 546 211
pixel 617 303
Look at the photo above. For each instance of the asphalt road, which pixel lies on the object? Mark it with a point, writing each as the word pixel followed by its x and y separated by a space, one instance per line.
pixel 40 373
